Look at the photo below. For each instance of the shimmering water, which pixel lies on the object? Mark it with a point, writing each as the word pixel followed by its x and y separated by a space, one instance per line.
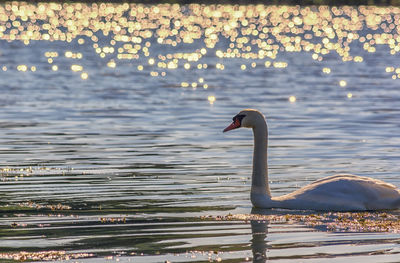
pixel 111 121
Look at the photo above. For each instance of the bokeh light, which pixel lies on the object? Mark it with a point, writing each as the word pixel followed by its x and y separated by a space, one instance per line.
pixel 253 34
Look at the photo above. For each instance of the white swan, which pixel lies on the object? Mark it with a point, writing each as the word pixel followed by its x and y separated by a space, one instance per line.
pixel 343 192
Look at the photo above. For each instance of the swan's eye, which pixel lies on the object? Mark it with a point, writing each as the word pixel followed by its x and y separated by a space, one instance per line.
pixel 238 118
pixel 237 123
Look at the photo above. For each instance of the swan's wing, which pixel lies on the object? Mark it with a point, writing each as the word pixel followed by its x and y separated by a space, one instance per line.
pixel 347 192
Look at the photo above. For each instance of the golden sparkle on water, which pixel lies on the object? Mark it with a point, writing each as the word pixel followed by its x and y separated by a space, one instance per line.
pixel 255 34
pixel 211 99
pixel 292 99
pixel 111 64
pixel 326 70
pixel 84 75
pixel 76 68
pixel 22 68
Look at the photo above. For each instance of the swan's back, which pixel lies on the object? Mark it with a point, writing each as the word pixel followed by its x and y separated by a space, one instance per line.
pixel 344 192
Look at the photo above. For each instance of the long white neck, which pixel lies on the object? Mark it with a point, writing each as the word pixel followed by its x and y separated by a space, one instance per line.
pixel 259 185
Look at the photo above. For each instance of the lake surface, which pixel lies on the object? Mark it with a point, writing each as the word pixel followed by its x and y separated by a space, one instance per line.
pixel 111 144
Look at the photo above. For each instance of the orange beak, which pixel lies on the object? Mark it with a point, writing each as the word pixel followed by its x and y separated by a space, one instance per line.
pixel 234 125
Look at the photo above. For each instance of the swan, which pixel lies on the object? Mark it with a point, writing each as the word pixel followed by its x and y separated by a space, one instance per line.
pixel 341 192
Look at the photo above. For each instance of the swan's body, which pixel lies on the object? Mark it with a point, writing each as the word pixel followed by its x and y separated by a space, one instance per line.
pixel 343 192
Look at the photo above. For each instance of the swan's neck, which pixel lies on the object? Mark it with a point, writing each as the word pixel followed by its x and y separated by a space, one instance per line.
pixel 259 185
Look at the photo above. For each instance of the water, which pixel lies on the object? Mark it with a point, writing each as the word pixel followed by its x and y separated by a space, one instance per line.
pixel 110 153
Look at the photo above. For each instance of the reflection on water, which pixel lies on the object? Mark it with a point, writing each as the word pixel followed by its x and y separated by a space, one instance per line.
pixel 111 118
pixel 259 230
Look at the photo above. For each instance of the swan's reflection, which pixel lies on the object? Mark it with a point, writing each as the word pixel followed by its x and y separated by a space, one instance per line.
pixel 259 230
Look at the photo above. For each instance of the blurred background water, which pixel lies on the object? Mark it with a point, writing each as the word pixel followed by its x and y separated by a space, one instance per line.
pixel 111 124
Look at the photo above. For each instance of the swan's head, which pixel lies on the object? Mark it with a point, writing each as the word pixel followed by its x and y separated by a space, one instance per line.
pixel 246 118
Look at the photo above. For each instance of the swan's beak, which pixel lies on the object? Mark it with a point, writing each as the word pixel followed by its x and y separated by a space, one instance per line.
pixel 232 126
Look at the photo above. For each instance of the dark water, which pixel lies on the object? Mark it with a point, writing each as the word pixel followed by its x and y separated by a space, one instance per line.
pixel 124 163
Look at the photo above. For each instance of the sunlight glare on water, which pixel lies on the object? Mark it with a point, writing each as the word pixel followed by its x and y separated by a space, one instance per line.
pixel 112 117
